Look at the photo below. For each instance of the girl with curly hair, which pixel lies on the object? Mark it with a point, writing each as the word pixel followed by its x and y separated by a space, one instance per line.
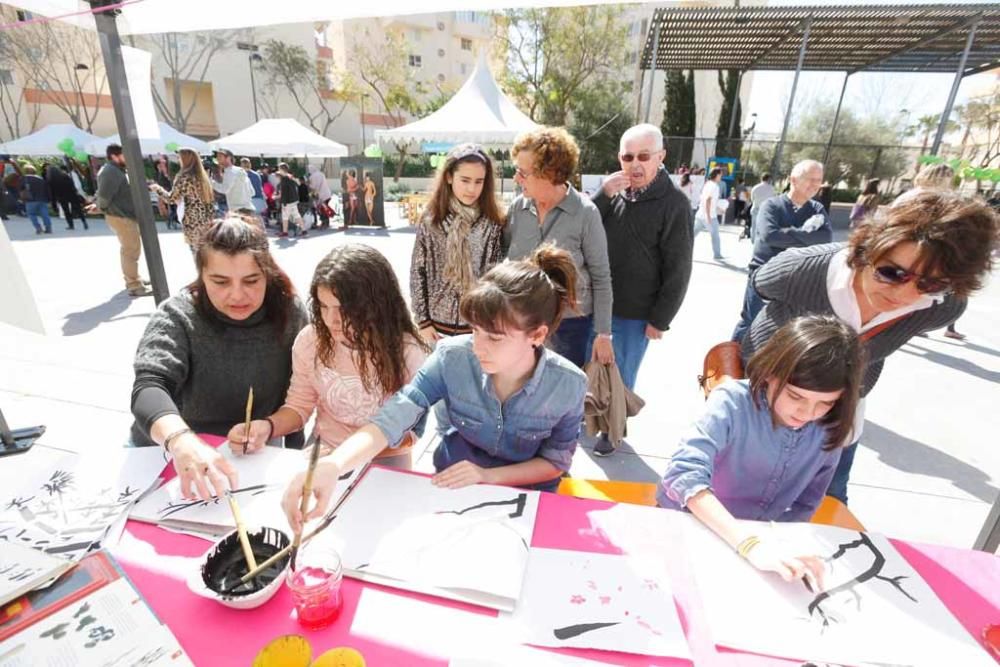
pixel 361 347
pixel 514 404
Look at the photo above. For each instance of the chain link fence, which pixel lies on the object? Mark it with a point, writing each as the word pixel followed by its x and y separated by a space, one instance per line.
pixel 848 166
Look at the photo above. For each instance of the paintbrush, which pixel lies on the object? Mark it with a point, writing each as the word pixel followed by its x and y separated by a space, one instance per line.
pixel 246 429
pixel 323 525
pixel 241 530
pixel 306 492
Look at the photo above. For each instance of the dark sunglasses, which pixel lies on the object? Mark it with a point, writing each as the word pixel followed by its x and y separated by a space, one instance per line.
pixel 642 157
pixel 888 274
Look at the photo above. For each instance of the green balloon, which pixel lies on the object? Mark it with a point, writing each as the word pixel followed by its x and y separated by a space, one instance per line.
pixel 172 147
pixel 373 150
pixel 80 156
pixel 66 145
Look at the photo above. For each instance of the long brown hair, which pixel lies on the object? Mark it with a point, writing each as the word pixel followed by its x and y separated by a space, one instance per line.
pixel 191 167
pixel 815 353
pixel 376 322
pixel 955 234
pixel 523 295
pixel 231 236
pixel 440 202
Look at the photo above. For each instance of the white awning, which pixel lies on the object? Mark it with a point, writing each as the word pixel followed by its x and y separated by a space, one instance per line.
pixel 280 137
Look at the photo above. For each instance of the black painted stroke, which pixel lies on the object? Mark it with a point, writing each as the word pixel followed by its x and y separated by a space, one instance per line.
pixel 873 572
pixel 571 631
pixel 519 503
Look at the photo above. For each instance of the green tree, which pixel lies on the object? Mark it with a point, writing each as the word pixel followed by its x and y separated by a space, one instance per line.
pixel 863 148
pixel 679 117
pixel 554 55
pixel 600 117
pixel 320 95
pixel 724 143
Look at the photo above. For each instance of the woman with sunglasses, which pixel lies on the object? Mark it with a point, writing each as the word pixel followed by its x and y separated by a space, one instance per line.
pixel 550 210
pixel 909 271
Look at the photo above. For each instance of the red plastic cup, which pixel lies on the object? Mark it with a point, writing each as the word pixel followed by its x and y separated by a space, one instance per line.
pixel 315 586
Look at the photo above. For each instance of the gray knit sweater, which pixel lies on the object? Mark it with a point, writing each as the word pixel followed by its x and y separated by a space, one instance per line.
pixel 794 284
pixel 202 369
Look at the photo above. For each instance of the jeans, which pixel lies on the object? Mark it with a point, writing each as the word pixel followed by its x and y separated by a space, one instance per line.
pixel 572 339
pixel 36 209
pixel 752 304
pixel 838 485
pixel 628 338
pixel 713 228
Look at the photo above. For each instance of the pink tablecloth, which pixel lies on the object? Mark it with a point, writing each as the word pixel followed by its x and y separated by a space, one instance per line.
pixel 158 562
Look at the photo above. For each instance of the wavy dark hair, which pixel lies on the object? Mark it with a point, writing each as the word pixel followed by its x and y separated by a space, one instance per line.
pixel 439 205
pixel 554 152
pixel 523 295
pixel 231 236
pixel 816 353
pixel 375 319
pixel 955 234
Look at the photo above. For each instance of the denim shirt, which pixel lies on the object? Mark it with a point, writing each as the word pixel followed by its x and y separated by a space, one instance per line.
pixel 542 419
pixel 758 471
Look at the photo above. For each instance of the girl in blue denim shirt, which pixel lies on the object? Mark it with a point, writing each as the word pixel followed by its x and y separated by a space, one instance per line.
pixel 514 405
pixel 767 446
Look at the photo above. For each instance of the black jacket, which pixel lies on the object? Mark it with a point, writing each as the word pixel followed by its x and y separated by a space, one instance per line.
pixel 650 243
pixel 288 191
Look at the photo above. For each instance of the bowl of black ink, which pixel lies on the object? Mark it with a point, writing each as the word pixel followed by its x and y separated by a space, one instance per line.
pixel 223 565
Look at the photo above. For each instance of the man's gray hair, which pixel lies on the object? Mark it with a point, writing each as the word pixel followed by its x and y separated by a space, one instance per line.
pixel 642 130
pixel 801 168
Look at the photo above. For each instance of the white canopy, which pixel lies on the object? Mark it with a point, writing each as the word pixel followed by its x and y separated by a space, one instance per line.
pixel 479 112
pixel 280 137
pixel 168 142
pixel 47 140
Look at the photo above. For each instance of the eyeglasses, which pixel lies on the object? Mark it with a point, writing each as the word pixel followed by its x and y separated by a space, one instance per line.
pixel 642 157
pixel 887 274
pixel 522 173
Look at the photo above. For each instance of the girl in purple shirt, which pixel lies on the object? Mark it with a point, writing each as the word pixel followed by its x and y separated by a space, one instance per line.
pixel 767 446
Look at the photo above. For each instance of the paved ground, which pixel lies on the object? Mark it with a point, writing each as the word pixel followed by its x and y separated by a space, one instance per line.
pixel 929 468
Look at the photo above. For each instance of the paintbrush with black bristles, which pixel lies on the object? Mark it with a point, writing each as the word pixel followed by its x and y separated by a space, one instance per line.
pixel 306 493
pixel 320 527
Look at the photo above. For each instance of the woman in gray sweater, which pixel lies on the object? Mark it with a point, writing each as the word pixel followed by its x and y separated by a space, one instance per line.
pixel 550 210
pixel 203 349
pixel 900 274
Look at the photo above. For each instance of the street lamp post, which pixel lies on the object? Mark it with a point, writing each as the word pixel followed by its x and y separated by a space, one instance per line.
pixel 363 96
pixel 749 132
pixel 253 57
pixel 80 67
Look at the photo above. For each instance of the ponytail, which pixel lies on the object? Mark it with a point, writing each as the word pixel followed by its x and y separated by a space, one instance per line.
pixel 523 295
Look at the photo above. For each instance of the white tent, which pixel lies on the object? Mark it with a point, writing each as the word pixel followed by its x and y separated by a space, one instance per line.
pixel 49 141
pixel 168 142
pixel 279 137
pixel 479 112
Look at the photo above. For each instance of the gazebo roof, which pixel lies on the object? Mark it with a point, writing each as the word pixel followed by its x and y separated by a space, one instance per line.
pixel 881 38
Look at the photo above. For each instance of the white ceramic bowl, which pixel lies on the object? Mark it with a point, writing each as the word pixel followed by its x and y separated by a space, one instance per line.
pixel 229 547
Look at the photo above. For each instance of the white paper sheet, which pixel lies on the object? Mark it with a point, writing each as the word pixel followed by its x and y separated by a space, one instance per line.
pixel 19 308
pixel 598 601
pixel 23 569
pixel 876 608
pixel 111 626
pixel 467 544
pixel 67 506
pixel 263 477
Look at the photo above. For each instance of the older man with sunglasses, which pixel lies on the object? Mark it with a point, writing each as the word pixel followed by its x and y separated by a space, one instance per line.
pixel 902 273
pixel 647 221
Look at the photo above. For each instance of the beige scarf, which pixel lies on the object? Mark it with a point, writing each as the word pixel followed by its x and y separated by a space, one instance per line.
pixel 458 255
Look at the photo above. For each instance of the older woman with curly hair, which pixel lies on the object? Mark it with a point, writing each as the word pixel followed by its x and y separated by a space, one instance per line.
pixel 549 209
pixel 908 271
pixel 361 348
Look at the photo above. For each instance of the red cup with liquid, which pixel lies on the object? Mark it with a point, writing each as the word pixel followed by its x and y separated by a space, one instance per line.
pixel 315 586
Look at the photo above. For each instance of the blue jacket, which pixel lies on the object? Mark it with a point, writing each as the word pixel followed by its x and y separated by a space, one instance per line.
pixel 542 419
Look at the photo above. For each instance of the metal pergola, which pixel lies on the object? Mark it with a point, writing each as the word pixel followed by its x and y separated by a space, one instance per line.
pixel 959 38
pixel 963 39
